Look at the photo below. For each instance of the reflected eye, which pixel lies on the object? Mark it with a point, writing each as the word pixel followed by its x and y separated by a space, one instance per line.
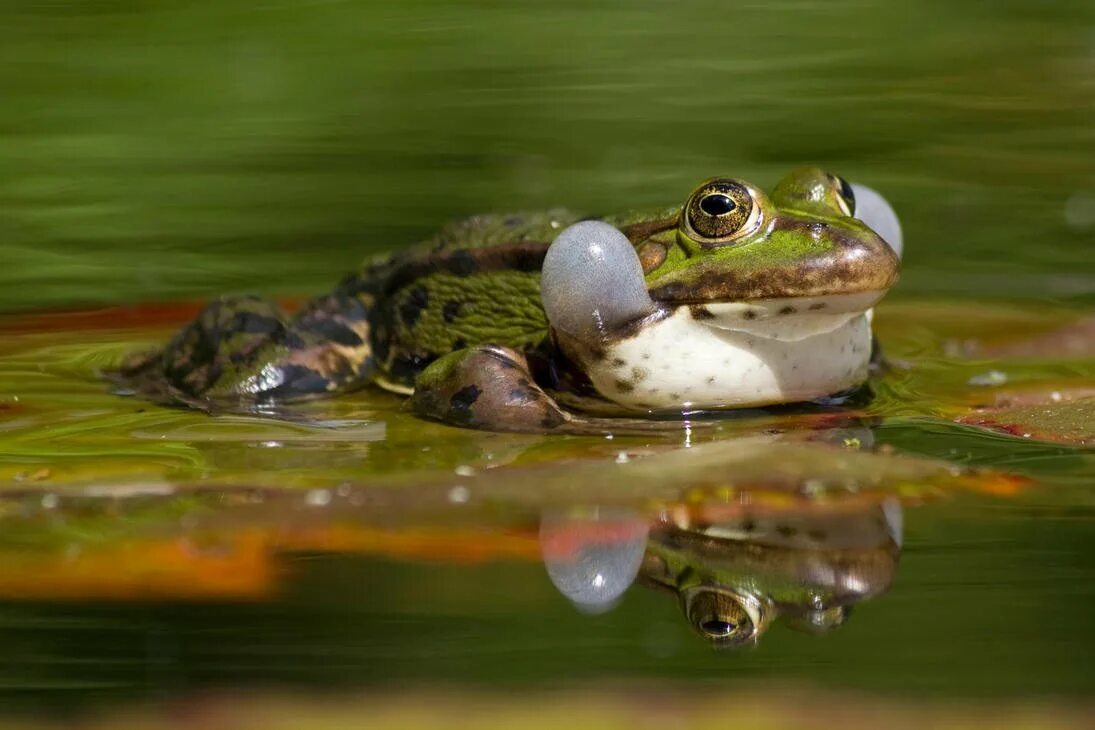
pixel 720 210
pixel 724 617
pixel 847 194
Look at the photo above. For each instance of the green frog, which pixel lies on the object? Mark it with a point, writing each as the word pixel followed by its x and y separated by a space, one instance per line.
pixel 557 322
pixel 808 566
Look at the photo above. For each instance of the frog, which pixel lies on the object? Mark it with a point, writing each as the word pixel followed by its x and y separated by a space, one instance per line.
pixel 735 568
pixel 560 322
pixel 807 566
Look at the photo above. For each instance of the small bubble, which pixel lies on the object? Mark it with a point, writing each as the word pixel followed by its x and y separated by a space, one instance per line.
pixel 50 501
pixel 459 494
pixel 1080 210
pixel 989 379
pixel 318 498
pixel 622 458
pixel 464 471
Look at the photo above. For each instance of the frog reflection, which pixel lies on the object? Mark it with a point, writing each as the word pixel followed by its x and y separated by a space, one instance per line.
pixel 734 569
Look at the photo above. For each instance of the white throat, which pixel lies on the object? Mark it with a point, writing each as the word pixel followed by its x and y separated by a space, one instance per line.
pixel 720 356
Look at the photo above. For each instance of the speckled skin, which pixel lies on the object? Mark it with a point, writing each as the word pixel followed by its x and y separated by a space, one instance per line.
pixel 458 320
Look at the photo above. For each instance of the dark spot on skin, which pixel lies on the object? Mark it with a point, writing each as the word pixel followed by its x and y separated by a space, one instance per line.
pixel 639 374
pixel 749 314
pixel 748 525
pixel 675 396
pixel 624 387
pixel 700 312
pixel 552 418
pixel 253 324
pixel 787 310
pixel 646 356
pixel 786 531
pixel 618 362
pixel 817 535
pixel 299 379
pixel 418 298
pixel 710 379
pixel 671 292
pixel 335 331
pixel 461 402
pixel 463 263
pixel 450 311
pixel 405 368
pixel 816 306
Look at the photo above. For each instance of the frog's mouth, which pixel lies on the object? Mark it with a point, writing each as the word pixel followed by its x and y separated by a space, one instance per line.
pixel 787 319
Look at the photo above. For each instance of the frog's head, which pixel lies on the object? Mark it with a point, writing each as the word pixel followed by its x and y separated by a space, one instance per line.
pixel 806 260
pixel 738 256
pixel 805 565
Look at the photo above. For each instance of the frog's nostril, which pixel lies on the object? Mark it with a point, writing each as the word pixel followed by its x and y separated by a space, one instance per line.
pixel 717 204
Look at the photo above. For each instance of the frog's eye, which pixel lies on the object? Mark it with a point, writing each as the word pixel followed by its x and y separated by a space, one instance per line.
pixel 721 210
pixel 879 215
pixel 592 281
pixel 724 617
pixel 846 194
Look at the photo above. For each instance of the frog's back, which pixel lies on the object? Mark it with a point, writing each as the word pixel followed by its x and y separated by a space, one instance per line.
pixel 477 281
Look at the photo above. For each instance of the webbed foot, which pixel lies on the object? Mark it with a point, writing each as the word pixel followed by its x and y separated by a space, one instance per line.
pixel 488 387
pixel 491 387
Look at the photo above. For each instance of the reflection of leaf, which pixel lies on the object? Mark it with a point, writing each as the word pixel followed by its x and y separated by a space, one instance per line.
pixel 1070 422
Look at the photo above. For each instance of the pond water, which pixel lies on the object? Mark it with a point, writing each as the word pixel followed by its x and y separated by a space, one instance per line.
pixel 921 557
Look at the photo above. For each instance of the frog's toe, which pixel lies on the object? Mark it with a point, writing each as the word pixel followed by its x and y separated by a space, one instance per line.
pixel 487 387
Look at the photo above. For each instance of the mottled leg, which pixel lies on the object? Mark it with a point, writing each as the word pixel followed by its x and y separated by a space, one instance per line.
pixel 488 387
pixel 243 348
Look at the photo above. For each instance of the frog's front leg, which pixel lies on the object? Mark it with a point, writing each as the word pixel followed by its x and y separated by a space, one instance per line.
pixel 488 387
pixel 245 349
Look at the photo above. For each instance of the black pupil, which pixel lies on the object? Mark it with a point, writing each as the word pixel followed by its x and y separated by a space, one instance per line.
pixel 847 193
pixel 717 204
pixel 717 628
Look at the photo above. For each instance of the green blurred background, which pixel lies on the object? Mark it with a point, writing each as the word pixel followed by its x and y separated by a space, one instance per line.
pixel 164 150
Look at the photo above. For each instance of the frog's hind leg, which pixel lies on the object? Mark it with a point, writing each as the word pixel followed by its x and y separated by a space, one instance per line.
pixel 488 387
pixel 245 349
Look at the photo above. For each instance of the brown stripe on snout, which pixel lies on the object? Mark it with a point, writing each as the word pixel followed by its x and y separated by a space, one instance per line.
pixel 855 260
